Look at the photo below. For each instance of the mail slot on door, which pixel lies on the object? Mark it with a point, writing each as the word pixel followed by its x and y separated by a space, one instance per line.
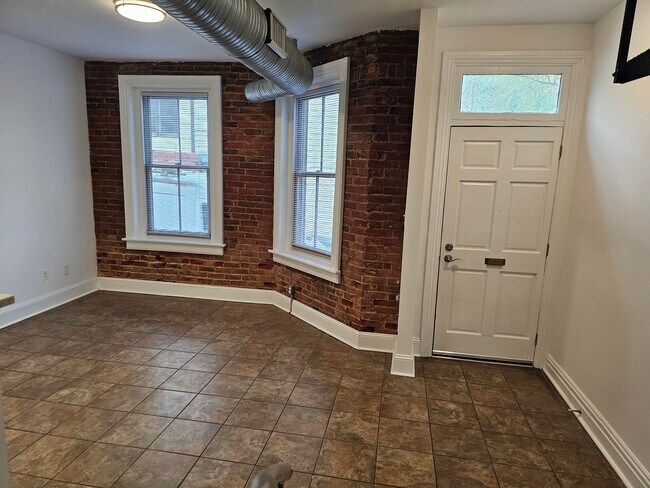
pixel 495 261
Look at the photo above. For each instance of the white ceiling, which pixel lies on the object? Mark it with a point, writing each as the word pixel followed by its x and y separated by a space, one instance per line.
pixel 522 12
pixel 91 30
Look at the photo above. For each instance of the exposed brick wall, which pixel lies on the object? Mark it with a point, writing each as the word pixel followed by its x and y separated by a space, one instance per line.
pixel 380 109
pixel 248 132
pixel 379 118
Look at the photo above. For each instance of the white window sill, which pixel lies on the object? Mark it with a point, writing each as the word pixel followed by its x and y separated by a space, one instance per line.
pixel 312 265
pixel 172 244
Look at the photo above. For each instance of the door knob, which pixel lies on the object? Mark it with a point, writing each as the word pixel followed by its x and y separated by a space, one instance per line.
pixel 449 259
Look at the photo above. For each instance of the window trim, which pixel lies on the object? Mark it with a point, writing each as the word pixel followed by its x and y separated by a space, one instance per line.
pixel 284 252
pixel 131 88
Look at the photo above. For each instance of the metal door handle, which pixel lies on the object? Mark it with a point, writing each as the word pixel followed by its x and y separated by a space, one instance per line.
pixel 449 259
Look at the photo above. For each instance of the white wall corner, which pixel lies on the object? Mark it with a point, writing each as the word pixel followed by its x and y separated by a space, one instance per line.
pixel 416 218
pixel 283 302
pixel 625 463
pixel 403 365
pixel 24 310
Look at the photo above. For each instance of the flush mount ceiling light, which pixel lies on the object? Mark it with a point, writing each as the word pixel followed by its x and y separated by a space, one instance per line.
pixel 140 11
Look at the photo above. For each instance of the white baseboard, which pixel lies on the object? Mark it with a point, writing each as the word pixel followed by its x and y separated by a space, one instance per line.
pixel 375 341
pixel 166 288
pixel 368 341
pixel 327 324
pixel 23 310
pixel 282 302
pixel 626 464
pixel 403 365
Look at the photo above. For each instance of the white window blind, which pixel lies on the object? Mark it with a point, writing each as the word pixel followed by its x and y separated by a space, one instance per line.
pixel 177 165
pixel 314 169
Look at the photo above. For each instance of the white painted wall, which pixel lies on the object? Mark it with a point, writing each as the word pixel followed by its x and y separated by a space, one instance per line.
pixel 515 38
pixel 46 216
pixel 601 336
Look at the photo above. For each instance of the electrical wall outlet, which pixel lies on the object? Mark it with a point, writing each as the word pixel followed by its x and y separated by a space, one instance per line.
pixel 45 275
pixel 66 269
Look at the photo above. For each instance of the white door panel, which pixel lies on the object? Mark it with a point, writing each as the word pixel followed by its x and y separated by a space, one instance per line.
pixel 467 291
pixel 480 154
pixel 514 307
pixel 498 205
pixel 526 216
pixel 474 215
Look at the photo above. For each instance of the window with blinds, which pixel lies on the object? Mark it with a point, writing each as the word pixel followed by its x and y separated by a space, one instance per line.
pixel 314 169
pixel 177 165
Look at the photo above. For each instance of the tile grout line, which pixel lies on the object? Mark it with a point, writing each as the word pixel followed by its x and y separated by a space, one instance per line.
pixel 250 340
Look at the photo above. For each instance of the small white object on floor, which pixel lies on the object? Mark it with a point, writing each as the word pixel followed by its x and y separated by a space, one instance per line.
pixel 273 476
pixel 6 300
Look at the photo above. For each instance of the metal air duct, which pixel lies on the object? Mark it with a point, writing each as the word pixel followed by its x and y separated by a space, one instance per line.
pixel 240 27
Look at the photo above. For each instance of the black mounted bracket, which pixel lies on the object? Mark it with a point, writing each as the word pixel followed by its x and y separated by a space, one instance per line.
pixel 637 67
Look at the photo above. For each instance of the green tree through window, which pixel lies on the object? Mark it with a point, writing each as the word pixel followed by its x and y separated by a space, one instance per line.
pixel 511 93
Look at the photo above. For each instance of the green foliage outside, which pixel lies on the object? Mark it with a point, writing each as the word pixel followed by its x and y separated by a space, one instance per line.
pixel 523 94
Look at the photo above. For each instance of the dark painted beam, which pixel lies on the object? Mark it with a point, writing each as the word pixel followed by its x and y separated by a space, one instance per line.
pixel 639 66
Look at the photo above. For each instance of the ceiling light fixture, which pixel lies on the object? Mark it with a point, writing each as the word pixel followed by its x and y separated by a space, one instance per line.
pixel 140 11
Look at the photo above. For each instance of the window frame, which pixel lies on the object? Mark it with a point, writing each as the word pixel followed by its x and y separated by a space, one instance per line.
pixel 131 89
pixel 284 251
pixel 506 69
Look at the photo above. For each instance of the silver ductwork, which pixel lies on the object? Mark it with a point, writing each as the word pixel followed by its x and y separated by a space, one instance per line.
pixel 240 28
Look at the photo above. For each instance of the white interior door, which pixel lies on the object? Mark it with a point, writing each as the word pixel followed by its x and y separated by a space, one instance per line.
pixel 497 216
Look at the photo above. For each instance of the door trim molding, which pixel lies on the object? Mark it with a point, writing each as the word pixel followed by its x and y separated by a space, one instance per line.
pixel 578 63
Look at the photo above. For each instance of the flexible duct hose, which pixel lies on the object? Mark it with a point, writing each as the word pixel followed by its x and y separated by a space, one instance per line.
pixel 239 27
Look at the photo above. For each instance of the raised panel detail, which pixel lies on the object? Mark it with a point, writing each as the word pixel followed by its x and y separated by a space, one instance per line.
pixel 514 298
pixel 526 216
pixel 481 154
pixel 530 154
pixel 475 210
pixel 467 301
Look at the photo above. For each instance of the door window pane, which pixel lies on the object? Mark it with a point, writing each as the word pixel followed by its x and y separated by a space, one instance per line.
pixel 511 93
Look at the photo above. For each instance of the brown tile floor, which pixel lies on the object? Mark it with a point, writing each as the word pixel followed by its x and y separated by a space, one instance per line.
pixel 145 391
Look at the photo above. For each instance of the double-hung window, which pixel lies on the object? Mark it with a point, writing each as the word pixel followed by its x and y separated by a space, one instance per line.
pixel 171 151
pixel 310 166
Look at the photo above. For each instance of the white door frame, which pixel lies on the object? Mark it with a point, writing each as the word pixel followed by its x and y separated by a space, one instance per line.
pixel 574 65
